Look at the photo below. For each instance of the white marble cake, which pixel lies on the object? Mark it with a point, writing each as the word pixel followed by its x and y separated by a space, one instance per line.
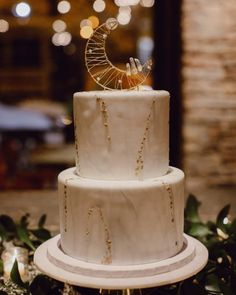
pixel 121 204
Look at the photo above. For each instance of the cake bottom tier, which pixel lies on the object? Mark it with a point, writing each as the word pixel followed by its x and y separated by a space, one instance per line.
pixel 121 222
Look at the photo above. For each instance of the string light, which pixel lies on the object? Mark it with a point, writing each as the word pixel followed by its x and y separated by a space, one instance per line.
pixel 86 32
pixel 4 26
pixel 63 6
pixel 22 9
pixel 99 5
pixel 59 26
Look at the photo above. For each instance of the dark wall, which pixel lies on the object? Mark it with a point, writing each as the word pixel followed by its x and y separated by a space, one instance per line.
pixel 167 70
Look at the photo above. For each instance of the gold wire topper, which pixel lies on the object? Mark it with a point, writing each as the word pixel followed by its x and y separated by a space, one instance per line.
pixel 103 71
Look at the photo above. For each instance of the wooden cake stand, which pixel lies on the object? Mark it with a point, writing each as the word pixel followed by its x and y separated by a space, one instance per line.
pixel 52 261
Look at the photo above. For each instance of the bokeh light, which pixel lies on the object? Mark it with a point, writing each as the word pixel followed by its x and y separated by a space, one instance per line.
pixel 126 2
pixel 86 32
pixel 4 26
pixel 59 26
pixel 63 6
pixel 124 18
pixel 94 20
pixel 99 5
pixel 147 3
pixel 22 9
pixel 85 22
pixel 145 46
pixel 61 39
pixel 125 9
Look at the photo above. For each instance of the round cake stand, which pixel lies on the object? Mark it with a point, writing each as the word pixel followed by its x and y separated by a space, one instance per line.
pixel 52 261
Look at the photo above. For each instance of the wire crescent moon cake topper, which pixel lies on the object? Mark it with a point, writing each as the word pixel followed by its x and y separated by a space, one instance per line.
pixel 103 72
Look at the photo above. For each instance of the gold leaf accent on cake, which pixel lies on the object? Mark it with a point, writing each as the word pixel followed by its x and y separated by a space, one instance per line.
pixel 171 199
pixel 76 145
pixel 66 203
pixel 105 117
pixel 171 203
pixel 140 159
pixel 107 259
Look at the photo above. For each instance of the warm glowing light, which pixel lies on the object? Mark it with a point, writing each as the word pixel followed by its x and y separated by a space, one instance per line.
pixel 123 18
pixel 59 26
pixel 145 46
pixel 4 26
pixel 61 39
pixel 147 3
pixel 94 20
pixel 66 120
pixel 86 32
pixel 63 6
pixel 125 9
pixel 126 2
pixel 85 22
pixel 99 5
pixel 22 9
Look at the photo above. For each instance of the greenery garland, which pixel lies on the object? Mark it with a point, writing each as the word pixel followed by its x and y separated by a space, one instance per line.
pixel 218 277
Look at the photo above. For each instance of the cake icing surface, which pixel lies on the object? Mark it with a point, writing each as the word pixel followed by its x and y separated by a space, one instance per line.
pixel 121 222
pixel 122 204
pixel 122 135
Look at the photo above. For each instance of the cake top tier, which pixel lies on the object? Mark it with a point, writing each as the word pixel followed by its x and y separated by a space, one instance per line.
pixel 121 135
pixel 123 94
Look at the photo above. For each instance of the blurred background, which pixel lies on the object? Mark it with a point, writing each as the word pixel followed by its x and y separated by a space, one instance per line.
pixel 193 45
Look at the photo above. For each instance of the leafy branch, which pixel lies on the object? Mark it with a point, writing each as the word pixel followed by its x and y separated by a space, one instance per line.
pixel 218 277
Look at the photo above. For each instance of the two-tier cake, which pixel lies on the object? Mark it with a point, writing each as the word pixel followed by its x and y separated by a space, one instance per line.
pixel 122 204
pixel 121 207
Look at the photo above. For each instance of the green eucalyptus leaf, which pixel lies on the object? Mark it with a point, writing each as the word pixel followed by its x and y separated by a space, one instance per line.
pixel 199 230
pixel 24 222
pixel 1 267
pixel 233 279
pixel 23 235
pixel 3 233
pixel 212 226
pixel 8 223
pixel 232 228
pixel 15 276
pixel 42 221
pixel 190 287
pixel 213 242
pixel 42 234
pixel 40 285
pixel 191 209
pixel 230 248
pixel 43 285
pixel 226 290
pixel 212 283
pixel 220 218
